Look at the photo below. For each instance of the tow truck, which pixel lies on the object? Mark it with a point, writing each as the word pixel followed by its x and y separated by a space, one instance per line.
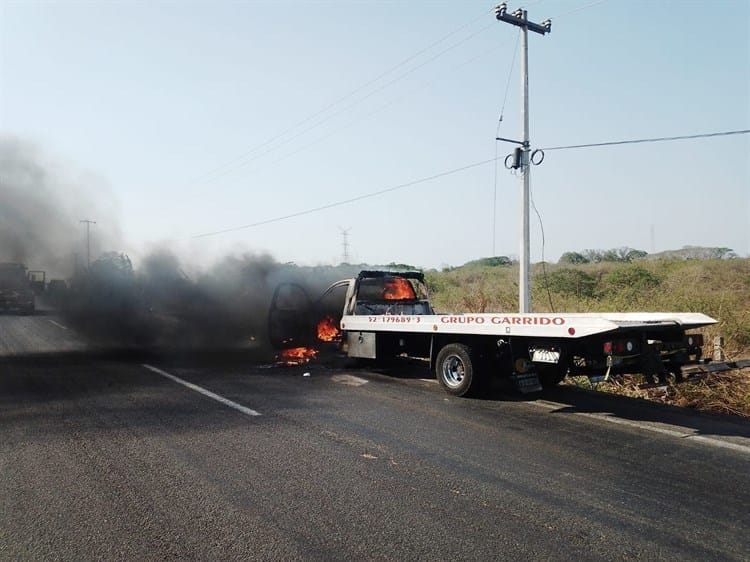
pixel 386 314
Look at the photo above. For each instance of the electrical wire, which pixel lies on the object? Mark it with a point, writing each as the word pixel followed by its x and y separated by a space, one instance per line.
pixel 544 263
pixel 245 161
pixel 497 134
pixel 507 83
pixel 242 160
pixel 613 143
pixel 444 174
pixel 376 110
pixel 647 140
pixel 345 201
pixel 222 168
pixel 580 8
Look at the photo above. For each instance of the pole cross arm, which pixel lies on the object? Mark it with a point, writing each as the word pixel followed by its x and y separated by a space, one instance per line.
pixel 518 18
pixel 522 143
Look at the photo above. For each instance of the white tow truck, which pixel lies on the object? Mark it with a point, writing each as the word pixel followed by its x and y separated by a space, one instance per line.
pixel 385 314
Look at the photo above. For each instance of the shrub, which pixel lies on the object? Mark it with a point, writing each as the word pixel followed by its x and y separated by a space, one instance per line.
pixel 630 279
pixel 568 282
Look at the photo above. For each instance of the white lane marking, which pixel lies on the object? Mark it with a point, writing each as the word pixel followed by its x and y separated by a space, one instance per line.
pixel 56 324
pixel 349 380
pixel 655 429
pixel 203 391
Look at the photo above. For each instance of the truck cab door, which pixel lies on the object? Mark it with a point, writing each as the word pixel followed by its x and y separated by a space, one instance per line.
pixel 291 317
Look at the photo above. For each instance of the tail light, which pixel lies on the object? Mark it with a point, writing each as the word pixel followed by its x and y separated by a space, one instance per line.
pixel 620 347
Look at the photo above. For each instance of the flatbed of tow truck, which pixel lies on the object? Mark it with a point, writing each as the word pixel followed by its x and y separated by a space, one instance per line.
pixel 384 314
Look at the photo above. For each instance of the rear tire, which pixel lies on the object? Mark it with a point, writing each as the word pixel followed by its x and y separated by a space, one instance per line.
pixel 455 368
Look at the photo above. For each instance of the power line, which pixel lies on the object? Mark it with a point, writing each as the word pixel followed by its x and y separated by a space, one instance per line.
pixel 248 158
pixel 507 83
pixel 441 175
pixel 579 9
pixel 544 262
pixel 369 114
pixel 242 160
pixel 497 134
pixel 351 94
pixel 375 111
pixel 222 169
pixel 646 140
pixel 346 201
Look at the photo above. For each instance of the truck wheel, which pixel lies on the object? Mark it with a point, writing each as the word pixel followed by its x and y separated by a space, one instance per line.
pixel 455 369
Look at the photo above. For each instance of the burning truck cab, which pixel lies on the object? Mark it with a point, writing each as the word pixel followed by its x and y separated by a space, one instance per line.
pixel 383 292
pixel 296 320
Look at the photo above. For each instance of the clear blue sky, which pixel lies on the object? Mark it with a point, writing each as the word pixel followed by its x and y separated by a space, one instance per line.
pixel 147 100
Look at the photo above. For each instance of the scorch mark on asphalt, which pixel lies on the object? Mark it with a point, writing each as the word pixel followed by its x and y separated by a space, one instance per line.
pixel 203 391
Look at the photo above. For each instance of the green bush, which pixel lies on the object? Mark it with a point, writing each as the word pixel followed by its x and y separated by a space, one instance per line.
pixel 568 282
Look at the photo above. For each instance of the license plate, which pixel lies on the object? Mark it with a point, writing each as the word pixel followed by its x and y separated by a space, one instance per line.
pixel 545 356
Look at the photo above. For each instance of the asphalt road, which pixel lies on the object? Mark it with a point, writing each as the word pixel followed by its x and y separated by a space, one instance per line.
pixel 122 456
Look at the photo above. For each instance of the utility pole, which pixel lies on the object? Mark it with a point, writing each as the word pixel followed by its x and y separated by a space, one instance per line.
pixel 521 159
pixel 88 241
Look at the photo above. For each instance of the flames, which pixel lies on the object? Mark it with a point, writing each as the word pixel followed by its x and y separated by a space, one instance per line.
pixel 296 356
pixel 398 289
pixel 327 330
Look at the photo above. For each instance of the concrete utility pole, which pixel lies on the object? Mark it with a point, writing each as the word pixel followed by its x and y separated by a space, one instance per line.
pixel 88 241
pixel 519 19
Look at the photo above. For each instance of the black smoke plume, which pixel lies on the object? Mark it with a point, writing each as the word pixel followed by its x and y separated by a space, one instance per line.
pixel 114 302
pixel 41 205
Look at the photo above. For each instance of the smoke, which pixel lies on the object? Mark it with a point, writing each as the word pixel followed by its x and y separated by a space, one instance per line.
pixel 41 204
pixel 159 307
pixel 153 304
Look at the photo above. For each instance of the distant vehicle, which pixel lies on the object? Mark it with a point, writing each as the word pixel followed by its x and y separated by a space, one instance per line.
pixel 16 289
pixel 57 291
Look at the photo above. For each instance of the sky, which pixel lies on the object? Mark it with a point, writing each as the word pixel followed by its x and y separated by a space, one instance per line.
pixel 311 123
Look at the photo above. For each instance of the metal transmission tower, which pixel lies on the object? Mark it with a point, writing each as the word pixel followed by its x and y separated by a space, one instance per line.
pixel 345 244
pixel 521 156
pixel 88 241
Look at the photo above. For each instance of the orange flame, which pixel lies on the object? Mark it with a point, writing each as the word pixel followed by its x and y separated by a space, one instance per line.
pixel 296 356
pixel 327 330
pixel 397 289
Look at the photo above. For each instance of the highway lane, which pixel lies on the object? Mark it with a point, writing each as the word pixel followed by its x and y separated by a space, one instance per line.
pixel 43 332
pixel 104 458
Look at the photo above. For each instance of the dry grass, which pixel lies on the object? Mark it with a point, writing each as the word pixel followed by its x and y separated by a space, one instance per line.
pixel 726 393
